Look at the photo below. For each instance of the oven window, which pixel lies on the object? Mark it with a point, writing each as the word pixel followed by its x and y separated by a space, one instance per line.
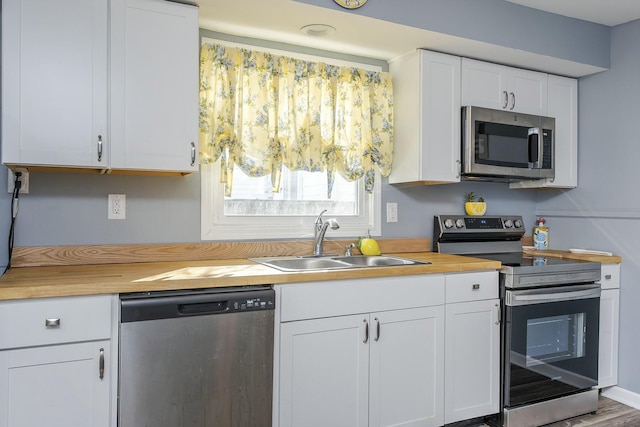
pixel 555 338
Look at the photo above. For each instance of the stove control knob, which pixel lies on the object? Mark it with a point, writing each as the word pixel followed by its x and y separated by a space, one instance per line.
pixel 517 223
pixel 508 223
pixel 448 223
pixel 459 223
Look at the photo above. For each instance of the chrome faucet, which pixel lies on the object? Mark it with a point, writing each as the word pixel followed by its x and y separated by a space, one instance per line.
pixel 320 230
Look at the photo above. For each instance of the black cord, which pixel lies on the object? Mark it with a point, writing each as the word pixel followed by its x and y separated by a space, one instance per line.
pixel 14 213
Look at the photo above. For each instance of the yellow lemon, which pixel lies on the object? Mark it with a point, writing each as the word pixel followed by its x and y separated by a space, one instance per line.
pixel 475 208
pixel 368 246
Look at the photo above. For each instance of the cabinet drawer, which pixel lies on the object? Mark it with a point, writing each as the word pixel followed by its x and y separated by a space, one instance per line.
pixel 471 286
pixel 312 300
pixel 23 323
pixel 610 276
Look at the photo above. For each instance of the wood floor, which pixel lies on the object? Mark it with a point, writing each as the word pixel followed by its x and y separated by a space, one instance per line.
pixel 609 414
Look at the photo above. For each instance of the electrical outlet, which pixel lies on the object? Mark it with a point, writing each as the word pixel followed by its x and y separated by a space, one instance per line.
pixel 24 179
pixel 392 212
pixel 116 206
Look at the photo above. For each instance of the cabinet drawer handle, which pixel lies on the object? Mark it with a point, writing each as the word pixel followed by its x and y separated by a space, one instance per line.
pixel 101 367
pixel 366 331
pixel 193 153
pixel 377 329
pixel 607 277
pixel 476 286
pixel 99 148
pixel 506 99
pixel 52 323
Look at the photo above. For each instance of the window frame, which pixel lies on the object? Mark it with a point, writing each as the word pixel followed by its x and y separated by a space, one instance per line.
pixel 214 225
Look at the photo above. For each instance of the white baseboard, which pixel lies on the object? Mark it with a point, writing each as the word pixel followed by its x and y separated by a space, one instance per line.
pixel 623 396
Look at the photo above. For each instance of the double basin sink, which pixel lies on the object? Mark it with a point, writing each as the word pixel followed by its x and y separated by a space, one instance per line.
pixel 320 263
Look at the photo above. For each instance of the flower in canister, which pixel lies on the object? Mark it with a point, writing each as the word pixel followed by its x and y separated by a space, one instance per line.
pixel 474 206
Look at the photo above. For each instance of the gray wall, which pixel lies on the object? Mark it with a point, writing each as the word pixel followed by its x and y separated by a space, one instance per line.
pixel 496 22
pixel 604 211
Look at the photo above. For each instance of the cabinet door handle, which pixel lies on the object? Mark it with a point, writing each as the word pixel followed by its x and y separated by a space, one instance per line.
pixel 99 148
pixel 366 331
pixel 499 314
pixel 193 153
pixel 459 171
pixel 377 329
pixel 506 99
pixel 513 100
pixel 52 323
pixel 607 276
pixel 101 364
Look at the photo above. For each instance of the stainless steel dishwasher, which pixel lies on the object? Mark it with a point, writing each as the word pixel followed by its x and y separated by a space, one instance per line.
pixel 198 358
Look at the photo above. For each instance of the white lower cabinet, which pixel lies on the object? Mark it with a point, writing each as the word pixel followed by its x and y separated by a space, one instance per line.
pixel 472 346
pixel 56 367
pixel 609 325
pixel 374 368
pixel 58 386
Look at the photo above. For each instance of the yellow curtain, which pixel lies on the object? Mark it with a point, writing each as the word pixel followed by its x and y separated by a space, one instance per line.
pixel 261 112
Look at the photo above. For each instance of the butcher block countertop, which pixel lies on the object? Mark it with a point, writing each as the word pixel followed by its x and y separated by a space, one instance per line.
pixel 55 271
pixel 69 280
pixel 564 254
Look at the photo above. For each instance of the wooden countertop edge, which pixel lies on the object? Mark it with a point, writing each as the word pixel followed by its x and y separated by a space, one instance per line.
pixel 58 281
pixel 563 254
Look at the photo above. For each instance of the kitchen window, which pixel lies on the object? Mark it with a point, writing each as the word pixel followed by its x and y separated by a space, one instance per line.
pixel 284 203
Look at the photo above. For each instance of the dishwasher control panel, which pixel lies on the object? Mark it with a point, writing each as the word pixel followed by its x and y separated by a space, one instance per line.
pixel 142 306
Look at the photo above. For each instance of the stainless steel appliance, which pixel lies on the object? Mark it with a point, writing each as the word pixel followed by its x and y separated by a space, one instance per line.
pixel 502 145
pixel 196 358
pixel 550 312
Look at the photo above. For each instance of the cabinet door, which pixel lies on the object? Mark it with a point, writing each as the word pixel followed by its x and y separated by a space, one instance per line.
pixel 55 386
pixel 324 369
pixel 154 85
pixel 407 349
pixel 427 118
pixel 563 106
pixel 472 354
pixel 54 82
pixel 527 91
pixel 484 85
pixel 503 88
pixel 608 354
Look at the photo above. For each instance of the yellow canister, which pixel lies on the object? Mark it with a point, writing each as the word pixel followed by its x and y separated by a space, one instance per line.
pixel 541 235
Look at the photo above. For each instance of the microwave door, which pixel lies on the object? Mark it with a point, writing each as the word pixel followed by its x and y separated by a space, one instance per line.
pixel 535 148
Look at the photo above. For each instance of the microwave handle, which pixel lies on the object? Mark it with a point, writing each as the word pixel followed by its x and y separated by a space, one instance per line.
pixel 535 147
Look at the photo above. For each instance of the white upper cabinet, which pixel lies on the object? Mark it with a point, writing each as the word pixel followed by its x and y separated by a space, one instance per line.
pixel 427 118
pixel 563 106
pixel 154 85
pixel 81 91
pixel 503 88
pixel 54 83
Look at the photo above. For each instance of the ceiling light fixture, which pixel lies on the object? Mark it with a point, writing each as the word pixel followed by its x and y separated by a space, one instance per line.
pixel 318 30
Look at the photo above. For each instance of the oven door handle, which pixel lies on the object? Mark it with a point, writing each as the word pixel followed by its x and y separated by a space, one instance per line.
pixel 515 298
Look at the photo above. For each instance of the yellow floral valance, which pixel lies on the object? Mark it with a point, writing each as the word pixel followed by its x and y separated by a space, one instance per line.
pixel 261 112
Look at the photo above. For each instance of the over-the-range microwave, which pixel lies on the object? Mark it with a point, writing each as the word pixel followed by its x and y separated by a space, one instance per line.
pixel 502 145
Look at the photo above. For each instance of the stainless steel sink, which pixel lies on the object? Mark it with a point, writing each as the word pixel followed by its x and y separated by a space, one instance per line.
pixel 376 261
pixel 291 263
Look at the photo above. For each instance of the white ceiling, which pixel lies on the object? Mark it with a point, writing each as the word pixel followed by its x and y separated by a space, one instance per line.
pixel 281 20
pixel 607 12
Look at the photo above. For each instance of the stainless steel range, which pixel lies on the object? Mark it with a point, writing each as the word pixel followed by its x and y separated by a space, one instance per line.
pixel 550 312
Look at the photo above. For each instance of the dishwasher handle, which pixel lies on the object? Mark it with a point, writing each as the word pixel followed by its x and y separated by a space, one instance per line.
pixel 170 305
pixel 200 308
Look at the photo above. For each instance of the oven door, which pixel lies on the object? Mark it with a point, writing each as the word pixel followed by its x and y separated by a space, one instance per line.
pixel 551 342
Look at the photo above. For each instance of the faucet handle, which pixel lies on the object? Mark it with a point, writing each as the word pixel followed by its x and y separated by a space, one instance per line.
pixel 347 251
